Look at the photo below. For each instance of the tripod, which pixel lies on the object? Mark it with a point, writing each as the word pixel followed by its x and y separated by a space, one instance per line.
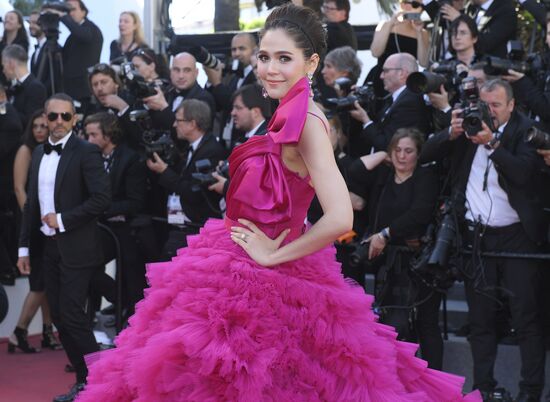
pixel 50 69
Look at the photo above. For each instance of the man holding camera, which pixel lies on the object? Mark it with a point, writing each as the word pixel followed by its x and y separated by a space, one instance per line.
pixel 402 108
pixel 82 49
pixel 183 77
pixel 190 204
pixel 493 172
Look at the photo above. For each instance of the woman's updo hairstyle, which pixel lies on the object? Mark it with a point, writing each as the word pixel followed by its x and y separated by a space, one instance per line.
pixel 302 25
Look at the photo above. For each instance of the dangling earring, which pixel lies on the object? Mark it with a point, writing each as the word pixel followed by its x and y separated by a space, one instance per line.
pixel 264 92
pixel 310 82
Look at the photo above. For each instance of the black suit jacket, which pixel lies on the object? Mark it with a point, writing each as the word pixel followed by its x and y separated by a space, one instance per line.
pixel 128 178
pixel 164 119
pixel 340 34
pixel 81 50
pixel 28 97
pixel 82 193
pixel 537 10
pixel 515 162
pixel 496 28
pixel 10 138
pixel 527 93
pixel 408 110
pixel 194 199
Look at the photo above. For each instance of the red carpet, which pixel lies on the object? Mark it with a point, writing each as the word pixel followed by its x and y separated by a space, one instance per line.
pixel 33 377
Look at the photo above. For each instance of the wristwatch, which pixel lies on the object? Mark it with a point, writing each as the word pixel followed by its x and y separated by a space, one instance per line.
pixel 493 144
pixel 385 233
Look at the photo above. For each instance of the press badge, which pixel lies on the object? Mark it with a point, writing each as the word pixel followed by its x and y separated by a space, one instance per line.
pixel 175 213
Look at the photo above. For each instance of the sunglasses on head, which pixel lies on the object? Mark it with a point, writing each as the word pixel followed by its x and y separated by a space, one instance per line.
pixel 99 68
pixel 413 4
pixel 66 116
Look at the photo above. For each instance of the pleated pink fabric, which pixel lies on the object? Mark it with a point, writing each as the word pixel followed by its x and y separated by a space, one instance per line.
pixel 216 326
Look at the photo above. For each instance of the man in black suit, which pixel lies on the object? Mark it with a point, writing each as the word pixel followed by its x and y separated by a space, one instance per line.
pixel 493 174
pixel 10 138
pixel 403 108
pixel 339 31
pixel 183 77
pixel 190 204
pixel 81 50
pixel 128 182
pixel 40 61
pixel 26 94
pixel 68 190
pixel 250 113
pixel 243 47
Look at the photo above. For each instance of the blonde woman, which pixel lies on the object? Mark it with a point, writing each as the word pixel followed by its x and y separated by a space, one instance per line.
pixel 131 37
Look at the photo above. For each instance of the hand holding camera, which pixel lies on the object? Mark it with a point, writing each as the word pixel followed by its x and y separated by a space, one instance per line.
pixel 156 164
pixel 214 75
pixel 359 113
pixel 456 124
pixel 156 102
pixel 449 13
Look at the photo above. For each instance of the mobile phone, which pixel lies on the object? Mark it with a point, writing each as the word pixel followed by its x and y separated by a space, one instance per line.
pixel 411 16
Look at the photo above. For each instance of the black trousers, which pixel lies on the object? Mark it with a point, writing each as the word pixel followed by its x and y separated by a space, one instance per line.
pixel 67 291
pixel 177 238
pixel 520 280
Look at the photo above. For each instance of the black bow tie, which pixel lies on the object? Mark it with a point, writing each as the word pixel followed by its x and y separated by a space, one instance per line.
pixel 48 148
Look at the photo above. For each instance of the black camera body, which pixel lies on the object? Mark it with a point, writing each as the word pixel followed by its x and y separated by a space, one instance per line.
pixel 474 110
pixel 135 83
pixel 445 74
pixel 365 95
pixel 203 177
pixel 155 141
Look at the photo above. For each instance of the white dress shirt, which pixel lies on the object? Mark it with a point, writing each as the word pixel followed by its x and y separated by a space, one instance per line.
pixel 486 201
pixel 47 173
pixel 253 131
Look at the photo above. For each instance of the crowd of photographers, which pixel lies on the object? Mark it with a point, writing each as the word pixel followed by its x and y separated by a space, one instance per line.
pixel 444 166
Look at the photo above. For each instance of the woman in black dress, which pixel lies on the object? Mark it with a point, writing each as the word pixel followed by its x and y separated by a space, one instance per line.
pixel 400 199
pixel 131 37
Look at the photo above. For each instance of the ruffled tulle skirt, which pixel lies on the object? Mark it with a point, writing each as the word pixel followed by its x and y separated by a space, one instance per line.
pixel 215 326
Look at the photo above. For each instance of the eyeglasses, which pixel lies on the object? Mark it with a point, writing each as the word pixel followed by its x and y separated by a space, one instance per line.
pixel 181 120
pixel 66 116
pixel 37 126
pixel 329 8
pixel 385 70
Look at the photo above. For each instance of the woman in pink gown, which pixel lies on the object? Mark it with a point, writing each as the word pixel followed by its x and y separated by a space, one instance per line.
pixel 255 308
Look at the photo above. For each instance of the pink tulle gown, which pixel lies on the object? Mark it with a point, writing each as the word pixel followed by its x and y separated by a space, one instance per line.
pixel 216 326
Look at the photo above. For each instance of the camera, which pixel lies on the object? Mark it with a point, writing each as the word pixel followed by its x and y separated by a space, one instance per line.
pixel 539 139
pixel 49 22
pixel 135 83
pixel 204 57
pixel 155 140
pixel 365 95
pixel 515 60
pixel 474 110
pixel 203 177
pixel 446 74
pixel 435 262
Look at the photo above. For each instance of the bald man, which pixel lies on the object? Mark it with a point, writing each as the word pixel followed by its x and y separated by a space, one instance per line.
pixel 183 77
pixel 403 108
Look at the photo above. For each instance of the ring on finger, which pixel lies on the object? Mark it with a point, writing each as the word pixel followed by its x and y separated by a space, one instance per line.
pixel 243 236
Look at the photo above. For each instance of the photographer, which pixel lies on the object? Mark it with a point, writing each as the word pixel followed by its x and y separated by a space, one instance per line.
pixel 534 95
pixel 183 77
pixel 243 48
pixel 191 204
pixel 401 200
pixel 493 171
pixel 402 108
pixel 151 67
pixel 127 175
pixel 81 50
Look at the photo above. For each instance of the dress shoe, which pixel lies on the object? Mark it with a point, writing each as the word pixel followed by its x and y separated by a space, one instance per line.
pixel 48 338
pixel 526 397
pixel 72 394
pixel 18 340
pixel 496 395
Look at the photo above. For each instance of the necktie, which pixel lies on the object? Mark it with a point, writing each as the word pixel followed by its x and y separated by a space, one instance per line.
pixel 48 148
pixel 189 156
pixel 107 162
